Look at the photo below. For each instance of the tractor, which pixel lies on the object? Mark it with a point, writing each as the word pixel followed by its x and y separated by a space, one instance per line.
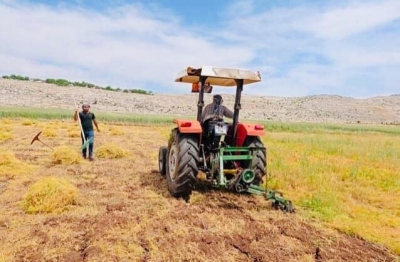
pixel 230 155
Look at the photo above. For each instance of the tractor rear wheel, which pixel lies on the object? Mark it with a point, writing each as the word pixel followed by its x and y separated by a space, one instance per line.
pixel 259 162
pixel 162 160
pixel 182 165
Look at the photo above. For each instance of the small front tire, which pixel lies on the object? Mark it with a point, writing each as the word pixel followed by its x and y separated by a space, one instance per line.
pixel 162 160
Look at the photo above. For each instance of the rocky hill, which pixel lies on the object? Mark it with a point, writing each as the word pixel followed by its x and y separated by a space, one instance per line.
pixel 319 108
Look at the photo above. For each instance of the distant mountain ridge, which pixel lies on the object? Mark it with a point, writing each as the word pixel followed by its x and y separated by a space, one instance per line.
pixel 316 108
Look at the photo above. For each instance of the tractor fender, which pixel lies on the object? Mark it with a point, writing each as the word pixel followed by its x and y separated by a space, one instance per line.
pixel 245 130
pixel 188 126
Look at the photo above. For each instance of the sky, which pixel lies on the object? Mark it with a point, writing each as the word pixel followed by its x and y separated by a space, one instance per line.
pixel 300 47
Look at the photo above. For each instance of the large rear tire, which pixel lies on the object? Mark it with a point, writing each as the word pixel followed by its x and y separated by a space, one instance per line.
pixel 182 165
pixel 259 163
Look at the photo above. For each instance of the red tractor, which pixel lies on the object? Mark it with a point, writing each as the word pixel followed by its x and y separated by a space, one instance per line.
pixel 231 155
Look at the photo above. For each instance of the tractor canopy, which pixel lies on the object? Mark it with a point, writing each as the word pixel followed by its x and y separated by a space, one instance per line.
pixel 217 76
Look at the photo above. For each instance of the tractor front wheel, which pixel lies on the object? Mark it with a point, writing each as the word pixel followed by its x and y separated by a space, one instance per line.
pixel 162 160
pixel 259 162
pixel 182 165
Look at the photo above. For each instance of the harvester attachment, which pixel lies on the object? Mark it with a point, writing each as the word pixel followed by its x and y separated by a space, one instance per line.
pixel 278 202
pixel 244 178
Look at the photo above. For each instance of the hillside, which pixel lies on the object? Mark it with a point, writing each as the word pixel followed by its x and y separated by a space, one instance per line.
pixel 320 108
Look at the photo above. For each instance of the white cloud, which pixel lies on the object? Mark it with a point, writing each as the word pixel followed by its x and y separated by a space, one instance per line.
pixel 322 47
pixel 123 47
pixel 354 19
pixel 300 50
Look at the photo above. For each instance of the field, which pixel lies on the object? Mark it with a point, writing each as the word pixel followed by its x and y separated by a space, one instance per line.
pixel 344 181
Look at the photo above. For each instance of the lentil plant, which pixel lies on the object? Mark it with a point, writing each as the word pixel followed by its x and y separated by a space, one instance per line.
pixel 347 177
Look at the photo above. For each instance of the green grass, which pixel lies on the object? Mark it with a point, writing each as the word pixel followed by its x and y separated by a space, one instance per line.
pixel 349 179
pixel 332 128
pixel 40 113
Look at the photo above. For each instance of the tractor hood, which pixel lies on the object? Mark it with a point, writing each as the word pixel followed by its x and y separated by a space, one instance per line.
pixel 218 76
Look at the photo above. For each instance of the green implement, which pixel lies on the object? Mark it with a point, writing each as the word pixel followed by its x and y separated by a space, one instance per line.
pixel 86 143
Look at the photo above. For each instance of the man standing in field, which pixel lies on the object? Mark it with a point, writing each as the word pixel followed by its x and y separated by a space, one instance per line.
pixel 87 119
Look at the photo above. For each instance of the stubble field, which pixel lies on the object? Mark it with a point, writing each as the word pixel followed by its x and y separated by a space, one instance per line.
pixel 344 183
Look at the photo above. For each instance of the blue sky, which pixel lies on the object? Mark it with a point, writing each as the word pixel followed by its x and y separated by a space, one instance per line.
pixel 348 48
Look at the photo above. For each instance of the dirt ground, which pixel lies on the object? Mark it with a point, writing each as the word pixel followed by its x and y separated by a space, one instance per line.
pixel 125 213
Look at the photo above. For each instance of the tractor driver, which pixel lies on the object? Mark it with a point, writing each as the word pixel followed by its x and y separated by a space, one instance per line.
pixel 215 110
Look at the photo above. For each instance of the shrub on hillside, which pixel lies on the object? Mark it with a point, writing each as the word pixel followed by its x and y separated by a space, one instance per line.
pixel 64 82
pixel 59 82
pixel 82 84
pixel 50 81
pixel 17 77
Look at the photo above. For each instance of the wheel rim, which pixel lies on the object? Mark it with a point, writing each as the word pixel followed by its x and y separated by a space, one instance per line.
pixel 172 159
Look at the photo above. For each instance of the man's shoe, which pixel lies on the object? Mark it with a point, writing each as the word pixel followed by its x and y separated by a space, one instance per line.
pixel 91 158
